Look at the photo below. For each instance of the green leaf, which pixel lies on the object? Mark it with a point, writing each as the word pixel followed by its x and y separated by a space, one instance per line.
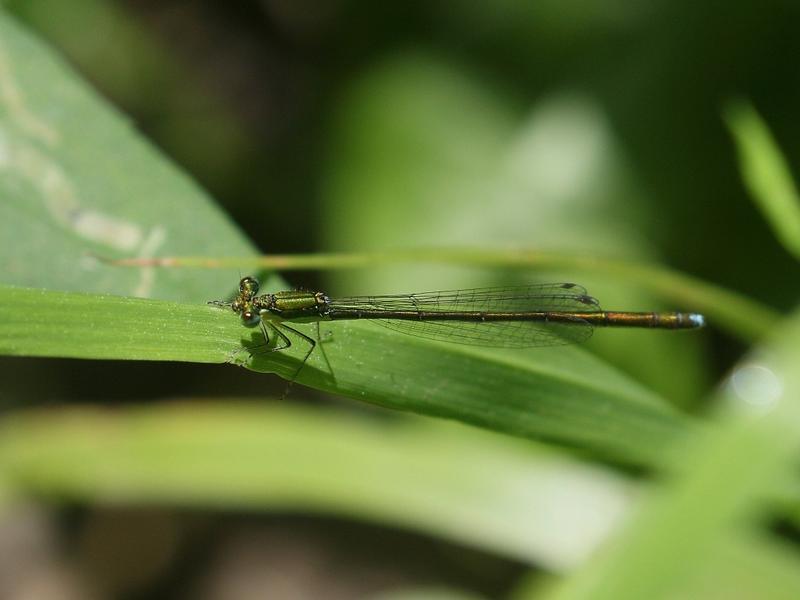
pixel 766 173
pixel 745 565
pixel 36 322
pixel 753 565
pixel 559 394
pixel 76 179
pixel 488 491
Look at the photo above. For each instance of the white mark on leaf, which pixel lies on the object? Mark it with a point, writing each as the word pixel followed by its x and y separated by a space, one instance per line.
pixel 11 97
pixel 20 156
pixel 62 203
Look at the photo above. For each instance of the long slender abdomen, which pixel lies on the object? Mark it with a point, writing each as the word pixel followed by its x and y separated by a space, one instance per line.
pixel 650 320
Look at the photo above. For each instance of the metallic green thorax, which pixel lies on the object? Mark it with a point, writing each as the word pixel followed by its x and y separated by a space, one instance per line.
pixel 293 301
pixel 291 305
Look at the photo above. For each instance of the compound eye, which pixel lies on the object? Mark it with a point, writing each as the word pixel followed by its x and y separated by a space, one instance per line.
pixel 248 285
pixel 250 318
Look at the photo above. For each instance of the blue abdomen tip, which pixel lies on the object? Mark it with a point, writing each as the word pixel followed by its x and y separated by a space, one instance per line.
pixel 697 320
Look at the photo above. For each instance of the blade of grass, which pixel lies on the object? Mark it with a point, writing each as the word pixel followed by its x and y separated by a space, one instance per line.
pixel 753 565
pixel 37 322
pixel 741 316
pixel 745 565
pixel 766 173
pixel 559 394
pixel 488 491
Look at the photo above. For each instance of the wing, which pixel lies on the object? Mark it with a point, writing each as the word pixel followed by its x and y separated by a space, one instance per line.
pixel 557 297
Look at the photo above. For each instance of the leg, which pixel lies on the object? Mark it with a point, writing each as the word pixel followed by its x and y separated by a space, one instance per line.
pixel 259 348
pixel 311 342
pixel 287 343
pixel 324 354
pixel 265 346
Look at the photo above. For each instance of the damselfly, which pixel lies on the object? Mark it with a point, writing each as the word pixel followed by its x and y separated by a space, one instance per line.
pixel 529 316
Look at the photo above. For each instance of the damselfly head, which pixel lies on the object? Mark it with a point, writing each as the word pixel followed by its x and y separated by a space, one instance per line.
pixel 248 286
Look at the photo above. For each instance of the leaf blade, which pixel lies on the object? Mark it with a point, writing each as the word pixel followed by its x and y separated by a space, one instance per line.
pixel 563 395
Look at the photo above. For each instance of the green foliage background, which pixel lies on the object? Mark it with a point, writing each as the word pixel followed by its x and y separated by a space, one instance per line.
pixel 645 464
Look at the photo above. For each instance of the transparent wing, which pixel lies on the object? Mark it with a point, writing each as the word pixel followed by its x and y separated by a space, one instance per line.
pixel 541 298
pixel 504 334
pixel 556 297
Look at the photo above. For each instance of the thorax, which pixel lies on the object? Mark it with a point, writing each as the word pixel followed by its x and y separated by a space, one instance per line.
pixel 292 304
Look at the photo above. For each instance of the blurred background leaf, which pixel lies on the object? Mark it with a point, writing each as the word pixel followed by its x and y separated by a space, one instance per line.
pixel 481 489
pixel 766 174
